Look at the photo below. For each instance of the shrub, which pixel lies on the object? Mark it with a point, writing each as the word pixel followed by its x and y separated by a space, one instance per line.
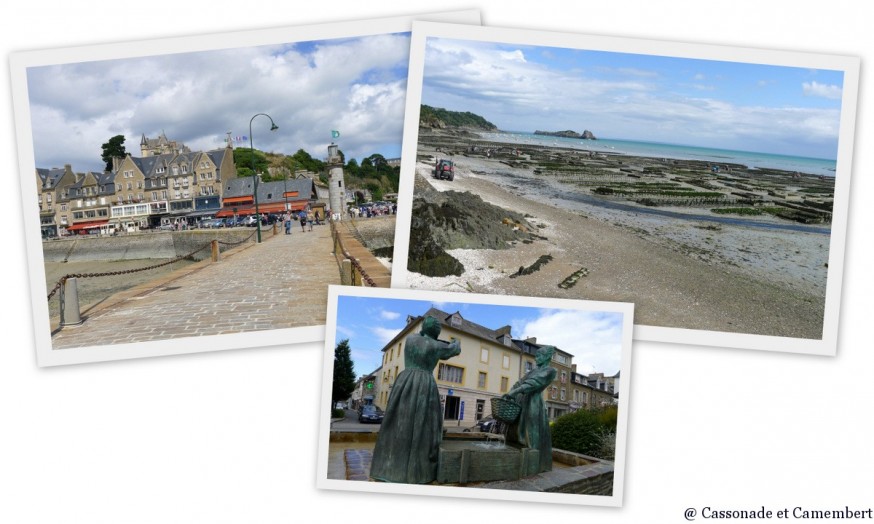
pixel 338 413
pixel 587 431
pixel 578 432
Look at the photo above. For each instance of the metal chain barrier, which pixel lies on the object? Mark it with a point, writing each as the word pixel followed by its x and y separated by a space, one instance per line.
pixel 350 258
pixel 64 278
pixel 237 243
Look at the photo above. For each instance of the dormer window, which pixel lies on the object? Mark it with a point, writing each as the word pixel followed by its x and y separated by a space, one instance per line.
pixel 455 320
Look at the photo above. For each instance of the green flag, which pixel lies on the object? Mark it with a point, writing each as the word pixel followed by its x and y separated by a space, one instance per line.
pixel 335 134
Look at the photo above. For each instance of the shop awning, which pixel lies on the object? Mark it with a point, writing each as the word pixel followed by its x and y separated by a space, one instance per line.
pixel 87 225
pixel 273 207
pixel 238 200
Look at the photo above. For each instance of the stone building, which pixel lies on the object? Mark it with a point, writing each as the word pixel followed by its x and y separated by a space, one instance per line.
pixel 161 146
pixel 169 188
pixel 54 216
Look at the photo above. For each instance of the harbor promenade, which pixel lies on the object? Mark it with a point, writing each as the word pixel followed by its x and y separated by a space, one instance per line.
pixel 280 283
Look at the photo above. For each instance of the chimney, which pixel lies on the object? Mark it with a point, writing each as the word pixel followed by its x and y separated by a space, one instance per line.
pixel 116 162
pixel 531 340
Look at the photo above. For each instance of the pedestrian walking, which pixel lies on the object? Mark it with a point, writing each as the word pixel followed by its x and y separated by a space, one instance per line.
pixel 287 221
pixel 303 220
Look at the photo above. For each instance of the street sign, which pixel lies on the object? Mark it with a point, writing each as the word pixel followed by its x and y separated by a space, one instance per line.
pixel 450 392
pixel 461 416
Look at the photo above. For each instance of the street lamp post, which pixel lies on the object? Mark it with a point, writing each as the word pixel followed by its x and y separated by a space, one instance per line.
pixel 273 127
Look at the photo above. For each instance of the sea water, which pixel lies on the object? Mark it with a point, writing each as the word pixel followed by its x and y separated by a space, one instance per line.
pixel 753 160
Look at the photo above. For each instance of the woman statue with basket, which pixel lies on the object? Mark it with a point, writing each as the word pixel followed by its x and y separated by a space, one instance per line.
pixel 408 443
pixel 531 428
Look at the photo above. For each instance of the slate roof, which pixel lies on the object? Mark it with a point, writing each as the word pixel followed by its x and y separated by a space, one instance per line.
pixel 49 175
pixel 243 186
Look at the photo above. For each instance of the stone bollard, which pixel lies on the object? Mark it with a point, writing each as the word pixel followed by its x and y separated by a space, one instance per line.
pixel 70 315
pixel 346 272
pixel 275 229
pixel 214 247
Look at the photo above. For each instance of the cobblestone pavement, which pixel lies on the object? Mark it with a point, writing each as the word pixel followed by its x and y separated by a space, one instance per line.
pixel 280 283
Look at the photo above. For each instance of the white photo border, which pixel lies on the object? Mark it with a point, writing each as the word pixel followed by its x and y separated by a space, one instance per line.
pixel 21 61
pixel 827 345
pixel 334 292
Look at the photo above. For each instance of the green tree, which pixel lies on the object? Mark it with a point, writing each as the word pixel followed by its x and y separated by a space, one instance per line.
pixel 243 161
pixel 344 373
pixel 113 148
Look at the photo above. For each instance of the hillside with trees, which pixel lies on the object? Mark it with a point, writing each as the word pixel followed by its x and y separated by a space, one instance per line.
pixel 373 173
pixel 441 118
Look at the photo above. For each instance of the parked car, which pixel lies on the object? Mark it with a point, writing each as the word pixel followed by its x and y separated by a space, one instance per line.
pixel 249 221
pixel 445 169
pixel 490 425
pixel 370 413
pixel 167 227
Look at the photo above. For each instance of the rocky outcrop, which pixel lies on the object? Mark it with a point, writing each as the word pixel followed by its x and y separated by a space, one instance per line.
pixel 454 220
pixel 586 135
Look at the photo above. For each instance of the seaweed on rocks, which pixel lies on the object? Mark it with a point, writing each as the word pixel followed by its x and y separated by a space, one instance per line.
pixel 541 261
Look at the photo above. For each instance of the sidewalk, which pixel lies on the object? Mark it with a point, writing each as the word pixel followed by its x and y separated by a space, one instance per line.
pixel 280 283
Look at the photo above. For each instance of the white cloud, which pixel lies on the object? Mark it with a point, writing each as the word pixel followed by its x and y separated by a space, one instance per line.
pixel 389 315
pixel 513 56
pixel 595 339
pixel 354 85
pixel 384 335
pixel 814 88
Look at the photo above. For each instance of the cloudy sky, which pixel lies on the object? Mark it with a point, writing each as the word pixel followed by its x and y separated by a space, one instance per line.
pixel 594 338
pixel 726 105
pixel 353 85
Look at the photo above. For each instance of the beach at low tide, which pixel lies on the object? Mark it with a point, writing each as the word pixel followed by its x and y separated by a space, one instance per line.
pixel 679 272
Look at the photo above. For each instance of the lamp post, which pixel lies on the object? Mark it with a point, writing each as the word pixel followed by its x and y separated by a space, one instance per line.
pixel 273 127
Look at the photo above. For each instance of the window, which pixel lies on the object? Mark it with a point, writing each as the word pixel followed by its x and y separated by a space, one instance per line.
pixel 561 359
pixel 563 394
pixel 484 355
pixel 505 384
pixel 154 195
pixel 455 320
pixel 505 362
pixel 49 197
pixel 129 186
pixel 529 366
pixel 563 377
pixel 184 169
pixel 160 169
pixel 450 373
pixel 164 195
pixel 482 380
pixel 63 207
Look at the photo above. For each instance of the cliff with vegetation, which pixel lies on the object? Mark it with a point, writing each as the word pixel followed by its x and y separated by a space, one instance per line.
pixel 437 117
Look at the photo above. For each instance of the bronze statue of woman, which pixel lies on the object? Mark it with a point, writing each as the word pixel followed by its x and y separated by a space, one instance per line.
pixel 409 439
pixel 532 427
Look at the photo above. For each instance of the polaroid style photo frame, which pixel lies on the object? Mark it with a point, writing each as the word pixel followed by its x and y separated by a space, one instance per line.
pixel 708 185
pixel 414 398
pixel 141 155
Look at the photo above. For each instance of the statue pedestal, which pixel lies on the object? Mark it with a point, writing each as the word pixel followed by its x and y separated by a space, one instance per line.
pixel 464 461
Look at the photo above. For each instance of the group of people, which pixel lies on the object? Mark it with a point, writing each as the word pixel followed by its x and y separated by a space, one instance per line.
pixel 373 210
pixel 305 217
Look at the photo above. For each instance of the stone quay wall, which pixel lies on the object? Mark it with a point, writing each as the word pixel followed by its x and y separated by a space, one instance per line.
pixel 141 246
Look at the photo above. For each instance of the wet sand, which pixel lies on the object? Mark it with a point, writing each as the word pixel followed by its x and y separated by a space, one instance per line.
pixel 679 273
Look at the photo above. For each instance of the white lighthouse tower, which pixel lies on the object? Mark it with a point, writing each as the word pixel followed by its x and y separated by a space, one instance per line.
pixel 336 190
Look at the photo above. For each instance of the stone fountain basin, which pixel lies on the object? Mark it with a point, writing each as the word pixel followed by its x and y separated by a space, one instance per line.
pixel 462 461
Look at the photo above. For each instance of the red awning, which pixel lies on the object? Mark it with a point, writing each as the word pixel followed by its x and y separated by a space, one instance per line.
pixel 87 225
pixel 273 207
pixel 238 200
